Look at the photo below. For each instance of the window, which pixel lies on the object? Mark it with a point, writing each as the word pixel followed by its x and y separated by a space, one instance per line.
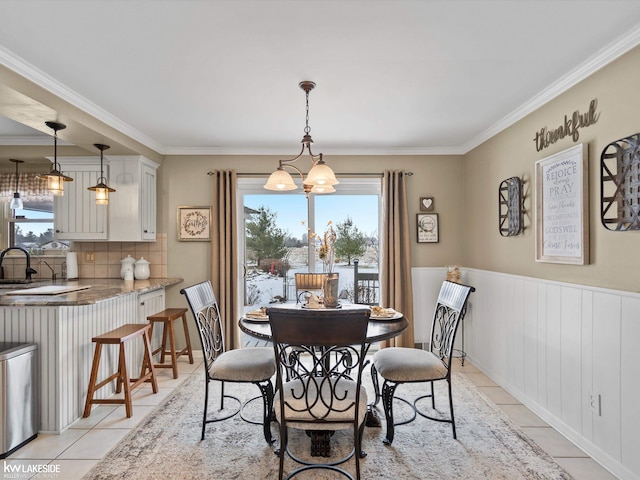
pixel 31 227
pixel 274 235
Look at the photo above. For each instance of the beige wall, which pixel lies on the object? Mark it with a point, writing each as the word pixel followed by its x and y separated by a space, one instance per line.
pixel 615 262
pixel 464 187
pixel 183 180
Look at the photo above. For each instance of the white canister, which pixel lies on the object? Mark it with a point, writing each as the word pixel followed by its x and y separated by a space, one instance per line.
pixel 72 265
pixel 127 266
pixel 141 270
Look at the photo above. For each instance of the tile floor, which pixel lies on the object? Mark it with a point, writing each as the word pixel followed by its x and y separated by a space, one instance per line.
pixel 80 447
pixel 570 457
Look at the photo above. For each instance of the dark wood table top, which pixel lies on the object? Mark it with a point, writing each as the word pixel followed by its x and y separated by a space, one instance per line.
pixel 377 330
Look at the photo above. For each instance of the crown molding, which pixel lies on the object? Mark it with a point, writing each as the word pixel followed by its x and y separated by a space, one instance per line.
pixel 602 58
pixel 597 61
pixel 25 140
pixel 30 140
pixel 40 78
pixel 280 152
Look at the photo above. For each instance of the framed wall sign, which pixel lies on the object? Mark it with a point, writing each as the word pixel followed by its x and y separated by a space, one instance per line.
pixel 426 204
pixel 427 226
pixel 562 207
pixel 194 224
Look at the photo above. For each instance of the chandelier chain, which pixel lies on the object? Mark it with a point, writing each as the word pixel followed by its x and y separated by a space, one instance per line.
pixel 307 128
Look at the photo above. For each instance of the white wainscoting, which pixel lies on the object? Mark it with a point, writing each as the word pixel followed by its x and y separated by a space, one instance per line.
pixel 550 344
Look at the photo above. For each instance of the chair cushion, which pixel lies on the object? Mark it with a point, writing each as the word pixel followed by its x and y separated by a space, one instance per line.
pixel 252 364
pixel 320 409
pixel 400 364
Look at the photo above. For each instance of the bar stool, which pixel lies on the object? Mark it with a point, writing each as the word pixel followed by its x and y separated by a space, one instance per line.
pixel 166 317
pixel 120 336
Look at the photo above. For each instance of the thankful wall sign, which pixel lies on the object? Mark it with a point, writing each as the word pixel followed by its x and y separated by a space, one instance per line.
pixel 570 128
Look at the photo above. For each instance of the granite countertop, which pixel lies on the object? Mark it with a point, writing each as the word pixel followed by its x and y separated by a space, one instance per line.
pixel 100 289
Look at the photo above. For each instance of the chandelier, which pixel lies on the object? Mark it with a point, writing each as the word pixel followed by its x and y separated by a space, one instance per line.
pixel 55 179
pixel 320 178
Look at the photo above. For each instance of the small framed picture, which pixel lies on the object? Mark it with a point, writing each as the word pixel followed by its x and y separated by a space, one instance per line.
pixel 426 204
pixel 194 224
pixel 427 226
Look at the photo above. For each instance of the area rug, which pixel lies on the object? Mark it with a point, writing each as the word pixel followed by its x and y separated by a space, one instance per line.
pixel 167 443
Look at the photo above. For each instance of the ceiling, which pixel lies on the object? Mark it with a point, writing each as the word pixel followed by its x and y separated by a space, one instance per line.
pixel 221 76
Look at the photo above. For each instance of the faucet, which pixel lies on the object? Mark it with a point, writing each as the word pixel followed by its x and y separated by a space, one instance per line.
pixel 53 272
pixel 29 271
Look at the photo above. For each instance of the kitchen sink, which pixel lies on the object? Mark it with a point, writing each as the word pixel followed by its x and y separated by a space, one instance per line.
pixel 20 283
pixel 49 290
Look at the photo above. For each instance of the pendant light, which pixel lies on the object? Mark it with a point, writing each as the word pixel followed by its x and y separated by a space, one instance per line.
pixel 320 178
pixel 55 179
pixel 101 188
pixel 16 201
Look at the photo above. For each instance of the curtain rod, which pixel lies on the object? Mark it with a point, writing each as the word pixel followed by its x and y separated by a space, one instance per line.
pixel 408 174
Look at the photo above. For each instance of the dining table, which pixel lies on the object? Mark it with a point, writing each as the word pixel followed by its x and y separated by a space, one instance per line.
pixel 384 324
pixel 383 327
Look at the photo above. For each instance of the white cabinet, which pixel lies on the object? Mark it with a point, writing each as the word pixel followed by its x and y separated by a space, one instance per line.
pixel 149 202
pixel 132 207
pixel 150 303
pixel 76 215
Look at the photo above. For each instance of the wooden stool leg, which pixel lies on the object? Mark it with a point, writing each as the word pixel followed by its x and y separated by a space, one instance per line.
pixel 186 336
pixel 150 333
pixel 92 380
pixel 147 356
pixel 164 340
pixel 145 363
pixel 172 346
pixel 124 378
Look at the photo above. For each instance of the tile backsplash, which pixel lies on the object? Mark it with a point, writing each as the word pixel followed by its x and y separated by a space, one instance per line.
pixel 95 259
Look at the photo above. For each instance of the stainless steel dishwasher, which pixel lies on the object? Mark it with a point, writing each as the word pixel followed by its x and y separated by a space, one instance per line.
pixel 18 402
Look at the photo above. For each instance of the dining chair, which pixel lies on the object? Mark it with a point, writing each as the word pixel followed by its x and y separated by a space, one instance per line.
pixel 398 365
pixel 308 283
pixel 245 365
pixel 315 393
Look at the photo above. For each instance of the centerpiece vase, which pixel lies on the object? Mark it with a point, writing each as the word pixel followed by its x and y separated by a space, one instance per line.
pixel 330 290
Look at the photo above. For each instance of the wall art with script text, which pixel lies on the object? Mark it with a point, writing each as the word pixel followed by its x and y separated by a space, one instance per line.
pixel 562 207
pixel 194 224
pixel 569 128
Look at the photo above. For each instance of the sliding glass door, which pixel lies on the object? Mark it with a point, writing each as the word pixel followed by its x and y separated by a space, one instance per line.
pixel 274 236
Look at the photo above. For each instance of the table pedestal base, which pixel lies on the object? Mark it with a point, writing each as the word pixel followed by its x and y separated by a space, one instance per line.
pixel 320 442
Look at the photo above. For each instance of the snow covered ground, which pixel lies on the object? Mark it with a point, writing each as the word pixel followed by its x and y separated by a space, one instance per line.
pixel 263 288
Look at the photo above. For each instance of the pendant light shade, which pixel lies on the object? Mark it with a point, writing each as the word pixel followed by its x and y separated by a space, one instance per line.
pixel 280 180
pixel 101 188
pixel 16 201
pixel 321 174
pixel 322 189
pixel 55 179
pixel 320 178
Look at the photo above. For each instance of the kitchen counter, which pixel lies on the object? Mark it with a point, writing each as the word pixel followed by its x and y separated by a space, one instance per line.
pixel 63 326
pixel 100 289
